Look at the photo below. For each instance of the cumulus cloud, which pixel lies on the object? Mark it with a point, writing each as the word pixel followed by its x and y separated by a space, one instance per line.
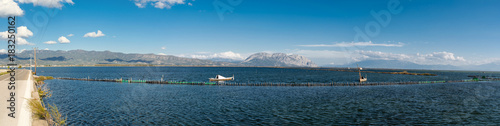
pixel 223 55
pixel 435 58
pixel 50 42
pixel 10 8
pixel 163 47
pixel 63 39
pixel 22 41
pixel 70 35
pixel 3 51
pixel 46 49
pixel 161 4
pixel 162 54
pixel 22 33
pixel 94 34
pixel 354 44
pixel 47 3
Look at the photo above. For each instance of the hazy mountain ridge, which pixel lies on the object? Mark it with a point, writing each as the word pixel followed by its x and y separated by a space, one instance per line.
pixel 278 59
pixel 82 57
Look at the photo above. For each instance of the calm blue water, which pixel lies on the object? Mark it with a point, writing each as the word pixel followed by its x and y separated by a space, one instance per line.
pixel 105 103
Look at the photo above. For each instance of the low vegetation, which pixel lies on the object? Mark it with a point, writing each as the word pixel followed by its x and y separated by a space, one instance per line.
pixel 43 92
pixel 38 107
pixel 58 119
pixel 40 79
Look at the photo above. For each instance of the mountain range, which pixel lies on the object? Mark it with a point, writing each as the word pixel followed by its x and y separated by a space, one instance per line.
pixel 82 57
pixel 278 59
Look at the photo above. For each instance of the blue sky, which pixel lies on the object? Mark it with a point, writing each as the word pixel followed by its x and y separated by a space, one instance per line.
pixel 455 32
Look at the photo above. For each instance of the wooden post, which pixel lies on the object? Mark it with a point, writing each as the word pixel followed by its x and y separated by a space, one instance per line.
pixel 34 49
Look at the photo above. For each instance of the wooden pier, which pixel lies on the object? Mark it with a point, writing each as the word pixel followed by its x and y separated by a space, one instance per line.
pixel 277 84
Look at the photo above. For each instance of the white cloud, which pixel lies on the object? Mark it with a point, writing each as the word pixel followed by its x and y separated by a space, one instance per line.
pixel 46 49
pixel 4 35
pixel 354 44
pixel 47 3
pixel 22 33
pixel 63 39
pixel 163 47
pixel 22 50
pixel 224 55
pixel 22 41
pixel 70 35
pixel 50 42
pixel 190 4
pixel 3 51
pixel 161 4
pixel 94 34
pixel 435 58
pixel 162 54
pixel 10 8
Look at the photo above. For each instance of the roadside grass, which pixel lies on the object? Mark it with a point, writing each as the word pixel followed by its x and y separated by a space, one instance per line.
pixel 40 79
pixel 43 92
pixel 38 109
pixel 58 119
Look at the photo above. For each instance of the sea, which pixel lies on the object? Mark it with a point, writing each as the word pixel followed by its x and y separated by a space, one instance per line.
pixel 111 103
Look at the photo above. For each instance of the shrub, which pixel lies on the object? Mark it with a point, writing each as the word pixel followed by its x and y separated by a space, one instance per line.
pixel 56 116
pixel 38 109
pixel 43 92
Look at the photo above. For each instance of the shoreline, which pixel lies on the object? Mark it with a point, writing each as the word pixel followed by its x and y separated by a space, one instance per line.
pixel 283 67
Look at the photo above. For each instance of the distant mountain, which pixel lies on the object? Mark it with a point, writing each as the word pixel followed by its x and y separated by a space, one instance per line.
pixel 396 64
pixel 82 57
pixel 225 60
pixel 278 59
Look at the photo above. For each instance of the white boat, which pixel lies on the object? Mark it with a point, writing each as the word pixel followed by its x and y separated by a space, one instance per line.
pixel 361 78
pixel 221 78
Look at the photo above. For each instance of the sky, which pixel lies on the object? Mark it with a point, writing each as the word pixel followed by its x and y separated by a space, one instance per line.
pixel 329 32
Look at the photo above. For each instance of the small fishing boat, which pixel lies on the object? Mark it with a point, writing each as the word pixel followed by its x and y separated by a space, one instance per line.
pixel 221 78
pixel 361 78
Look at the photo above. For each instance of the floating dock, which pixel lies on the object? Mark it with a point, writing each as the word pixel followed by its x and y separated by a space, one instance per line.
pixel 279 84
